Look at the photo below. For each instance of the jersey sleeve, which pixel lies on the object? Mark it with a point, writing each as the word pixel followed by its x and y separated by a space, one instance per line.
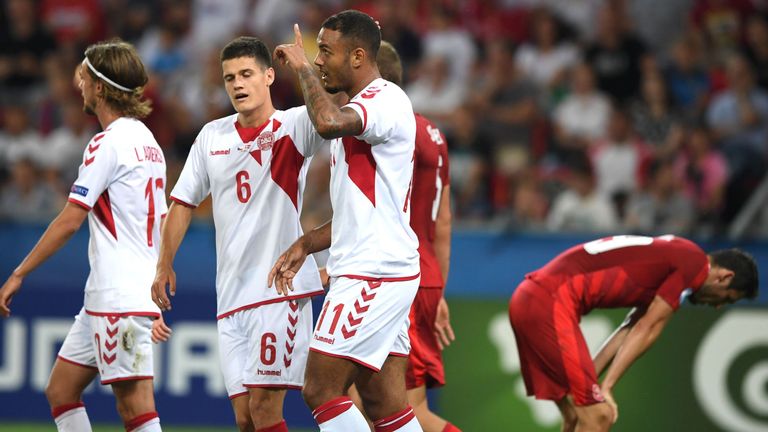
pixel 377 125
pixel 193 185
pixel 98 170
pixel 445 169
pixel 306 138
pixel 683 281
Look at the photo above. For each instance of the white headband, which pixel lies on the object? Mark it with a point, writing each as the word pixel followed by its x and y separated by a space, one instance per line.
pixel 101 75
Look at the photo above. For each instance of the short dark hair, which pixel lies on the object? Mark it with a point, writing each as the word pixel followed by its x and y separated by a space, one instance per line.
pixel 359 28
pixel 744 270
pixel 390 66
pixel 247 46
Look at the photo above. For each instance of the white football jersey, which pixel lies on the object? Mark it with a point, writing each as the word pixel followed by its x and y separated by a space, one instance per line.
pixel 256 178
pixel 122 181
pixel 371 178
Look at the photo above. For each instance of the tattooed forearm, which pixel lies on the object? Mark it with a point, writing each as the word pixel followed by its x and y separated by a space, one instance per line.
pixel 328 119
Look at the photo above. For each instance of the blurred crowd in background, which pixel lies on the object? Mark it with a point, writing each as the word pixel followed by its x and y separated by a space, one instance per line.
pixel 644 116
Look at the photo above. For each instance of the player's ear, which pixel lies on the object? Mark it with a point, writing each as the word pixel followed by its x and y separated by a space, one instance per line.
pixel 357 57
pixel 270 76
pixel 725 276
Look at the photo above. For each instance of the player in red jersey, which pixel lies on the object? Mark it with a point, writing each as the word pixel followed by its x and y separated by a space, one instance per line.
pixel 430 329
pixel 652 274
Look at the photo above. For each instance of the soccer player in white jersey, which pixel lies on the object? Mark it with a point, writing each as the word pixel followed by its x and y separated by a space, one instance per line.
pixel 120 188
pixel 362 333
pixel 254 165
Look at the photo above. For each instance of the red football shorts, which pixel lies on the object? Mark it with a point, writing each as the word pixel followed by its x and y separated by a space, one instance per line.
pixel 554 357
pixel 425 362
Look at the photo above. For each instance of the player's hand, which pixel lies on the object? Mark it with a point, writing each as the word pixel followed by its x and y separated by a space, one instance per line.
pixel 287 266
pixel 608 395
pixel 325 280
pixel 443 330
pixel 164 275
pixel 292 55
pixel 160 331
pixel 9 289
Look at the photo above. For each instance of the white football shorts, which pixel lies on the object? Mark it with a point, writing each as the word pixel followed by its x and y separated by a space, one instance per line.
pixel 365 321
pixel 120 347
pixel 265 346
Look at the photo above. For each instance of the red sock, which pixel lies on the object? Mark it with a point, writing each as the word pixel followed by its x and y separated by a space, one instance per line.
pixel 450 428
pixel 277 427
pixel 139 420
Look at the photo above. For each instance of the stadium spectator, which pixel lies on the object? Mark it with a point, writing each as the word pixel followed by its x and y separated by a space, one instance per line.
pixel 123 169
pixel 471 154
pixel 653 115
pixel 687 79
pixel 18 139
pixel 654 275
pixel 25 46
pixel 619 159
pixel 703 174
pixel 582 116
pixel 370 206
pixel 435 92
pixel 616 56
pixel 26 198
pixel 545 59
pixel 660 207
pixel 579 207
pixel 756 48
pixel 62 149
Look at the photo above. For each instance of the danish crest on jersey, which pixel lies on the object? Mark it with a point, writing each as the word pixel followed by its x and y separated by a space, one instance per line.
pixel 265 140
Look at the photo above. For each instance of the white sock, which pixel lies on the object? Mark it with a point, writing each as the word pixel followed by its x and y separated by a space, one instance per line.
pixel 148 422
pixel 71 418
pixel 403 421
pixel 340 415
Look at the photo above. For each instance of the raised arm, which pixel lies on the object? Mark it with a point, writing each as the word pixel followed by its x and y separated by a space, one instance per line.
pixel 58 233
pixel 639 338
pixel 329 120
pixel 289 263
pixel 174 228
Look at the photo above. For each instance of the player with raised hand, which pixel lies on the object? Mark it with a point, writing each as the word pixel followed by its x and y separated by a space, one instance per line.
pixel 430 331
pixel 652 274
pixel 254 165
pixel 120 188
pixel 362 333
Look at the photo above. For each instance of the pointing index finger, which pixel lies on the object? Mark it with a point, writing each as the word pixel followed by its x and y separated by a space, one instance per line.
pixel 297 34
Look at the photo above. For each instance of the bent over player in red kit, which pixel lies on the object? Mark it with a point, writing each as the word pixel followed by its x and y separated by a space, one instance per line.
pixel 652 274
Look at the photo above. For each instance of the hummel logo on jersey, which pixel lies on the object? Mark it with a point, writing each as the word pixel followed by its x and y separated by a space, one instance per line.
pixel 268 372
pixel 219 152
pixel 80 190
pixel 324 339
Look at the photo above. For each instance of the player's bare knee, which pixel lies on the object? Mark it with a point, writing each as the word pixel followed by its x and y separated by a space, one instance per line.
pixel 316 394
pixel 244 423
pixel 596 418
pixel 58 395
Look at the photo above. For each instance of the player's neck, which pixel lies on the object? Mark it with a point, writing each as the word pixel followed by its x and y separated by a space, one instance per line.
pixel 106 116
pixel 255 117
pixel 363 82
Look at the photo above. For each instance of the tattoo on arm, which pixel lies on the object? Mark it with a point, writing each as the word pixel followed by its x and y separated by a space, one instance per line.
pixel 329 119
